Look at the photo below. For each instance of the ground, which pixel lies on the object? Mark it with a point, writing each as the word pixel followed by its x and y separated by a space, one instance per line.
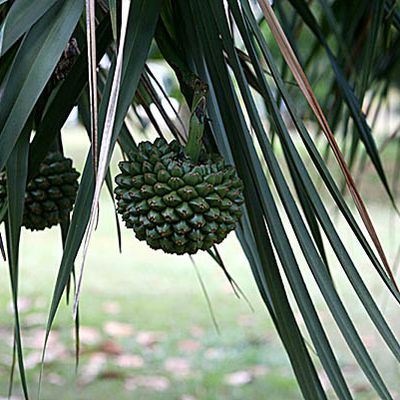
pixel 146 331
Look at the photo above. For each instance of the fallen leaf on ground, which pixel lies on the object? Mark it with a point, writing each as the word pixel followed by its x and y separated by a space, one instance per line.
pixel 157 383
pixel 177 366
pixel 148 339
pixel 88 335
pixel 34 339
pixel 110 347
pixel 118 329
pixel 189 346
pixel 238 378
pixel 92 368
pixel 129 361
pixel 109 375
pixel 55 353
pixel 24 304
pixel 54 350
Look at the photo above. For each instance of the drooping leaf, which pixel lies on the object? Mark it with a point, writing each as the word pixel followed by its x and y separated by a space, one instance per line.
pixel 353 103
pixel 142 19
pixel 30 73
pixel 311 99
pixel 16 172
pixel 62 103
pixel 92 79
pixel 22 16
pixel 112 5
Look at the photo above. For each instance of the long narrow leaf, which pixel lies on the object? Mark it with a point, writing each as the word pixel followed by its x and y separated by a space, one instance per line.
pixel 92 73
pixel 21 17
pixel 142 20
pixel 304 85
pixel 320 165
pixel 304 370
pixel 16 172
pixel 104 157
pixel 67 95
pixel 45 41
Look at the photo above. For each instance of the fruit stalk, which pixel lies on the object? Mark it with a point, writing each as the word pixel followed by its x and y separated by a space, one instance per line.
pixel 197 121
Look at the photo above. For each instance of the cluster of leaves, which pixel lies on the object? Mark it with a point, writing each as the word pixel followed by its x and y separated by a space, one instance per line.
pixel 230 45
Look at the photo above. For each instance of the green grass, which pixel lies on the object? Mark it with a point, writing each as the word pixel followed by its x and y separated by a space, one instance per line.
pixel 153 292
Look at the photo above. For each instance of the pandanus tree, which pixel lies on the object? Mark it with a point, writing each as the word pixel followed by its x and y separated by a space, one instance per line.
pixel 251 74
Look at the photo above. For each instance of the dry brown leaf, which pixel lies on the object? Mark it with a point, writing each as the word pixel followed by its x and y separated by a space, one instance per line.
pixel 110 375
pixel 118 329
pixel 239 378
pixel 129 361
pixel 110 347
pixel 156 383
pixel 24 305
pixel 54 353
pixel 149 339
pixel 304 85
pixel 88 335
pixel 105 148
pixel 35 339
pixel 92 73
pixel 93 368
pixel 177 366
pixel 189 346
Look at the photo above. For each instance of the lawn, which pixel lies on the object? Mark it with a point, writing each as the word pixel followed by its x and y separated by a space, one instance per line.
pixel 147 333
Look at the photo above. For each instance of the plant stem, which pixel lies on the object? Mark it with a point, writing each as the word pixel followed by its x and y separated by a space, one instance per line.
pixel 197 120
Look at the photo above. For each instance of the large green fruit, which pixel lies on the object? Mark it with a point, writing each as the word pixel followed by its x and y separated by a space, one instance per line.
pixel 174 204
pixel 50 195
